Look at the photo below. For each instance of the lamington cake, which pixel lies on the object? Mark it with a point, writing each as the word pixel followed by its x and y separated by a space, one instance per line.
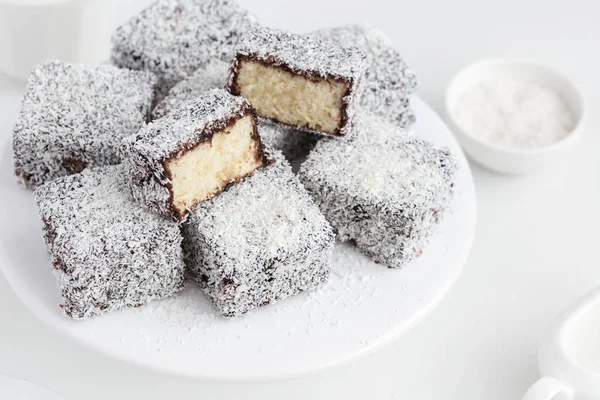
pixel 291 142
pixel 260 242
pixel 301 81
pixel 194 153
pixel 386 195
pixel 75 116
pixel 107 252
pixel 173 38
pixel 388 80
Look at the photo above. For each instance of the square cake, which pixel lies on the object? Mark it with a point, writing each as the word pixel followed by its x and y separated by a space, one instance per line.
pixel 388 80
pixel 384 192
pixel 107 252
pixel 173 38
pixel 194 153
pixel 301 81
pixel 75 116
pixel 290 141
pixel 259 242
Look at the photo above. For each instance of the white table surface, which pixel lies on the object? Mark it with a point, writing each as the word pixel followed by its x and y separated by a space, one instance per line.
pixel 535 250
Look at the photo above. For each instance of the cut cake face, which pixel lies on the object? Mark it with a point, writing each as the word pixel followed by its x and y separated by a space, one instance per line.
pixel 194 153
pixel 292 142
pixel 296 80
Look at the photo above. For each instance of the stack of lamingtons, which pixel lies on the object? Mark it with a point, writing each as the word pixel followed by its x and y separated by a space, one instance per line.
pixel 174 162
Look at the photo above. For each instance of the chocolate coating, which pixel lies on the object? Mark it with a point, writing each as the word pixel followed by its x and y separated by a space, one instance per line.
pixel 384 191
pixel 388 80
pixel 308 56
pixel 292 142
pixel 107 252
pixel 259 242
pixel 75 116
pixel 170 137
pixel 173 38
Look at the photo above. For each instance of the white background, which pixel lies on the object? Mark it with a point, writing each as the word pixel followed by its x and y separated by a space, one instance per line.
pixel 536 248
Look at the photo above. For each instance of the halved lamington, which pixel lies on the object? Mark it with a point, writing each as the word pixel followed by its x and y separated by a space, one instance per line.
pixel 107 252
pixel 260 242
pixel 387 194
pixel 388 80
pixel 75 116
pixel 301 81
pixel 290 141
pixel 173 38
pixel 194 153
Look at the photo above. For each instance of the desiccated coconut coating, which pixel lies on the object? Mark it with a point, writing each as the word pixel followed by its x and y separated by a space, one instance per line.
pixel 173 38
pixel 149 151
pixel 386 195
pixel 369 128
pixel 388 80
pixel 75 116
pixel 308 57
pixel 261 241
pixel 107 252
pixel 292 142
pixel 303 54
pixel 211 76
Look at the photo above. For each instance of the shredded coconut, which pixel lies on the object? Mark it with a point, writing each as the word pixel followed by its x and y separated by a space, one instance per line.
pixel 170 136
pixel 382 190
pixel 514 114
pixel 388 81
pixel 259 242
pixel 173 38
pixel 309 56
pixel 74 116
pixel 107 252
pixel 211 76
pixel 292 143
pixel 304 54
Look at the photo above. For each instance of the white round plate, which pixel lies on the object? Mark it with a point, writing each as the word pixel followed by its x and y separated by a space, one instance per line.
pixel 362 307
pixel 17 389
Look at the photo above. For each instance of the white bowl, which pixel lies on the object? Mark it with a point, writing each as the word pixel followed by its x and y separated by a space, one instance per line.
pixel 500 158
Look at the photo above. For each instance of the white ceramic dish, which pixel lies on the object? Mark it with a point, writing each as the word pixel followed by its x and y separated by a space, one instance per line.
pixel 569 355
pixel 17 389
pixel 502 159
pixel 364 305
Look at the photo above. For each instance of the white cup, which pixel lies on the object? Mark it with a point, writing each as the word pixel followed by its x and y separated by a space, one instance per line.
pixel 70 30
pixel 569 356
